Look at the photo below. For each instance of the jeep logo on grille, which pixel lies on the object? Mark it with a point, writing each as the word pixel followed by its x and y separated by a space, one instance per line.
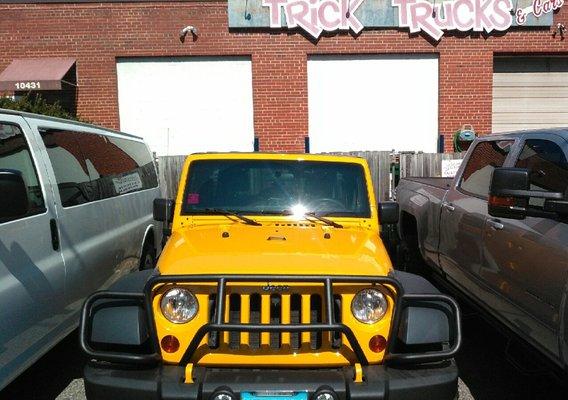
pixel 275 288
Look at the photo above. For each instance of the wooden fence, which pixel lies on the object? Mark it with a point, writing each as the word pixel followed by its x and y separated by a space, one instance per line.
pixel 380 163
pixel 425 164
pixel 169 168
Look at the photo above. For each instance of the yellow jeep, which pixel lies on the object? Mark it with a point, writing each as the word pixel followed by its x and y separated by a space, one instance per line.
pixel 273 285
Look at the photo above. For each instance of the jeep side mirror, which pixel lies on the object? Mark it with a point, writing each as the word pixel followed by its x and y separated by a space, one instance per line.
pixel 164 210
pixel 14 201
pixel 388 212
pixel 509 193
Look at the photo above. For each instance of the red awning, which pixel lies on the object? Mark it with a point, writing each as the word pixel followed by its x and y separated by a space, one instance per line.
pixel 36 74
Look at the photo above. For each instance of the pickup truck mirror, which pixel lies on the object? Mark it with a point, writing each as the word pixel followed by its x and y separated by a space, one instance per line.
pixel 14 201
pixel 509 193
pixel 388 212
pixel 164 210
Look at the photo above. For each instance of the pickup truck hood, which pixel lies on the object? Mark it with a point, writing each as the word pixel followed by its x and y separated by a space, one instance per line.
pixel 275 249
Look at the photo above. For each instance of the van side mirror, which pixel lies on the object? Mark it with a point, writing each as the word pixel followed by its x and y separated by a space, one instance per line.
pixel 164 210
pixel 14 201
pixel 509 193
pixel 388 212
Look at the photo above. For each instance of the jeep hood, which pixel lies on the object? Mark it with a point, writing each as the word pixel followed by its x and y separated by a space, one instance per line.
pixel 274 249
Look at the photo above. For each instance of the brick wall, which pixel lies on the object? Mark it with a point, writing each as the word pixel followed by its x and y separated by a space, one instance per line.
pixel 97 33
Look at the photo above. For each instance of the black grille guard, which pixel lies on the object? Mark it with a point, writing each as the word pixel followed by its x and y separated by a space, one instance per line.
pixel 145 300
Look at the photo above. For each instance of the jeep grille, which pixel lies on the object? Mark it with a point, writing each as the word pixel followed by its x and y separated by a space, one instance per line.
pixel 277 309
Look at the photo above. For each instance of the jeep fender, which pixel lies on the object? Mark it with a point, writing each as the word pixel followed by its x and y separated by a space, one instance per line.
pixel 122 324
pixel 422 325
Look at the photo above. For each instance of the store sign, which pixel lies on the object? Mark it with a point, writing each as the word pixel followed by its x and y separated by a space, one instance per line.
pixel 466 15
pixel 432 17
pixel 315 16
pixel 537 8
pixel 461 15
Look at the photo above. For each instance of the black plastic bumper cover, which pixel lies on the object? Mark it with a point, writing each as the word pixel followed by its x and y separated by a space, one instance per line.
pixel 166 382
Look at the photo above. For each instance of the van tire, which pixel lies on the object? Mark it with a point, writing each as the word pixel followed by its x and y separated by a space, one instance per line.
pixel 148 257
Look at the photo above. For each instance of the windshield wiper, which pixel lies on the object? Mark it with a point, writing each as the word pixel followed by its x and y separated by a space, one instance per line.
pixel 326 221
pixel 312 214
pixel 224 212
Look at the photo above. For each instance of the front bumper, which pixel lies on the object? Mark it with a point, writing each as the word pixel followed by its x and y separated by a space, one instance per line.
pixel 437 381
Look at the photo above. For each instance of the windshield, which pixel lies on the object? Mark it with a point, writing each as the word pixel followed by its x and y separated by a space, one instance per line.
pixel 276 187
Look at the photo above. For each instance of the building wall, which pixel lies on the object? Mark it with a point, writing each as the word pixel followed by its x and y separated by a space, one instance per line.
pixel 96 34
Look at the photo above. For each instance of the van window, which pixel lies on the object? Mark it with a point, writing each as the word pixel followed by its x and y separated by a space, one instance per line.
pixel 15 154
pixel 117 166
pixel 104 166
pixel 69 166
pixel 547 167
pixel 486 156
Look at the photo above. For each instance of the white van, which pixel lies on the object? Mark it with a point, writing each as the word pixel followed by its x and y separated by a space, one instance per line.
pixel 75 215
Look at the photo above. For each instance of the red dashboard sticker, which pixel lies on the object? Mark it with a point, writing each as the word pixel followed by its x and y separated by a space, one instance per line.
pixel 193 198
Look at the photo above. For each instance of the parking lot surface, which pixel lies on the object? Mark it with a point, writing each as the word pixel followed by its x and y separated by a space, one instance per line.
pixel 485 371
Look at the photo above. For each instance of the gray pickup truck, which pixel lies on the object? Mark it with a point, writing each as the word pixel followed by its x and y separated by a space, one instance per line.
pixel 498 232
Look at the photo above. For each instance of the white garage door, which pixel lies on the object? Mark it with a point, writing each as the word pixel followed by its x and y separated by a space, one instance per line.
pixel 530 93
pixel 373 103
pixel 186 105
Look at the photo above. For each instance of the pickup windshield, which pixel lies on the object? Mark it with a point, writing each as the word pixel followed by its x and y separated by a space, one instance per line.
pixel 276 187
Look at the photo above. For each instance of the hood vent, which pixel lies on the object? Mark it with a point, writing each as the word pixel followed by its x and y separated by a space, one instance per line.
pixel 296 224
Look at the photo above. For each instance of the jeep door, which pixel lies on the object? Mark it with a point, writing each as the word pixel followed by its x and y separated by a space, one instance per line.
pixel 526 261
pixel 32 272
pixel 464 212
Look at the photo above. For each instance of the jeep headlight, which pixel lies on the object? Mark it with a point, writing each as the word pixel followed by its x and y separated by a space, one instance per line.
pixel 369 306
pixel 179 305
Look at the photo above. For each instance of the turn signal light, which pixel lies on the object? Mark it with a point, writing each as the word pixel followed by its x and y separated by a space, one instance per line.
pixel 170 344
pixel 501 201
pixel 377 343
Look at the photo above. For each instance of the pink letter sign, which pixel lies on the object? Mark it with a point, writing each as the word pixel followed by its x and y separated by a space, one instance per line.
pixel 315 16
pixel 537 8
pixel 461 15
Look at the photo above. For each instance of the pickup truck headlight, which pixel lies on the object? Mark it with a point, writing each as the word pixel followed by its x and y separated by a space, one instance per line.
pixel 179 305
pixel 369 306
